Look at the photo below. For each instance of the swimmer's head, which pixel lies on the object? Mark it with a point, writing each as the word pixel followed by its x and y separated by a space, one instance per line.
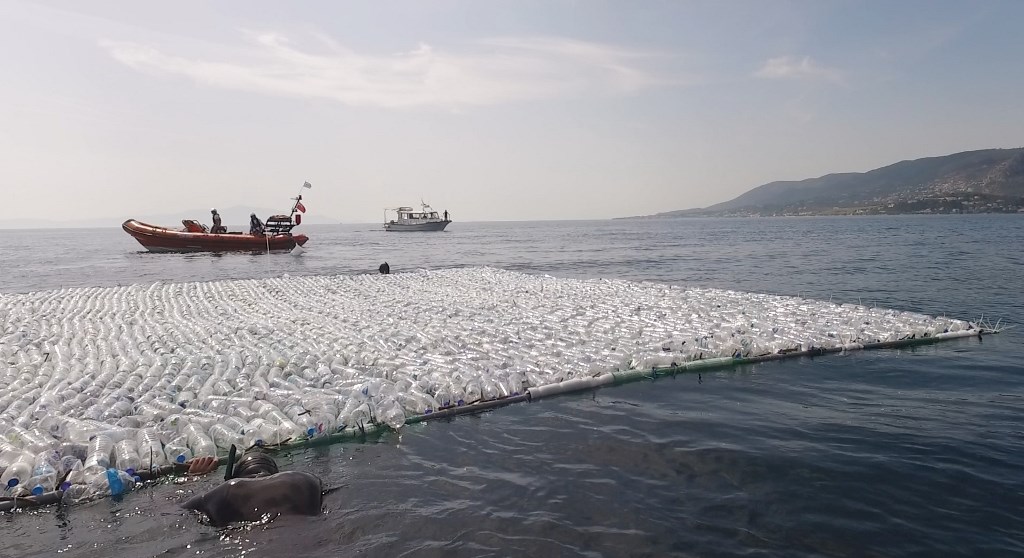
pixel 254 464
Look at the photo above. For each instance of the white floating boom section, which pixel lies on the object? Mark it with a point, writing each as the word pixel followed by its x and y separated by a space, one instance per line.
pixel 191 368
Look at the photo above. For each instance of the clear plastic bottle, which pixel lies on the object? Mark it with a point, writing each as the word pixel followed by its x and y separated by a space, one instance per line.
pixel 20 470
pixel 416 403
pixel 391 413
pixel 177 450
pixel 488 389
pixel 100 449
pixel 223 436
pixel 236 424
pixel 443 396
pixel 68 465
pixel 81 492
pixel 285 426
pixel 199 441
pixel 472 391
pixel 150 448
pixel 251 435
pixel 356 413
pixel 44 474
pixel 28 440
pixel 321 421
pixel 8 452
pixel 126 456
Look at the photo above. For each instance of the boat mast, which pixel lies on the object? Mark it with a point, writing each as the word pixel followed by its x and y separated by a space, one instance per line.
pixel 298 198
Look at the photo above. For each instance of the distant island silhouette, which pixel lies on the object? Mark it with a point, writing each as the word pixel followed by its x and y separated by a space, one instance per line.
pixel 983 181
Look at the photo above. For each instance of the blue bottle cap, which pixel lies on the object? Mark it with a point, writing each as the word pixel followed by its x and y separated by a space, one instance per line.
pixel 310 431
pixel 130 471
pixel 180 458
pixel 37 490
pixel 65 485
pixel 12 483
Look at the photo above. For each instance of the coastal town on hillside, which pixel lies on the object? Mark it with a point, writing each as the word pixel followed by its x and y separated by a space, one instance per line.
pixel 950 203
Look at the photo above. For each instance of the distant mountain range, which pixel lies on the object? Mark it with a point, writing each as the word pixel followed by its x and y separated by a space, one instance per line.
pixel 236 217
pixel 988 180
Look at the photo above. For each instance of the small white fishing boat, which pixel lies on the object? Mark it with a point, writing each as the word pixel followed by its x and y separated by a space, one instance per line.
pixel 408 219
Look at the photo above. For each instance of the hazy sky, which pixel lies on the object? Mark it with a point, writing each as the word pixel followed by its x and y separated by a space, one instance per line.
pixel 494 110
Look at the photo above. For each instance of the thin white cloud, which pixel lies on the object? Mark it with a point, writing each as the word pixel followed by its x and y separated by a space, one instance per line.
pixel 489 72
pixel 792 67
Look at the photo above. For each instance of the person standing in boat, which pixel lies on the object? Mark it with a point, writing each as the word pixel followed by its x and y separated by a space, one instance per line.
pixel 217 227
pixel 255 225
pixel 445 214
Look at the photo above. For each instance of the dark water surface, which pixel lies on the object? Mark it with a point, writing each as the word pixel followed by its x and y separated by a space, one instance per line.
pixel 884 453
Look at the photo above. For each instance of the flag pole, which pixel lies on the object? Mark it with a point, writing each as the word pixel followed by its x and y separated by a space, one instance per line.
pixel 298 198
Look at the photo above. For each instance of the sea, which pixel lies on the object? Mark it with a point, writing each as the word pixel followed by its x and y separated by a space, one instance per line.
pixel 913 452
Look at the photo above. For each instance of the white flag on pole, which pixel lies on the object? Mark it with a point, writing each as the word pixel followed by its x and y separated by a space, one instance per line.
pixel 307 185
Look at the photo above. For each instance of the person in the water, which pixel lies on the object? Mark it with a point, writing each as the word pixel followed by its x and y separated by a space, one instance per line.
pixel 254 489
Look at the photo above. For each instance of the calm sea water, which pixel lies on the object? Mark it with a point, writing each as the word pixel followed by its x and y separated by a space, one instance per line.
pixel 882 453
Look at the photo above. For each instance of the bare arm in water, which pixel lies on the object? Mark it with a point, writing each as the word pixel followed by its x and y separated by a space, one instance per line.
pixel 202 465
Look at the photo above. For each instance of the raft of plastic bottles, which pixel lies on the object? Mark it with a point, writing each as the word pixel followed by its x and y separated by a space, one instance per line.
pixel 100 383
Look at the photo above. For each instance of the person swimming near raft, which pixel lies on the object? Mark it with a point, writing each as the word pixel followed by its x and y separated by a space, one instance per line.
pixel 254 489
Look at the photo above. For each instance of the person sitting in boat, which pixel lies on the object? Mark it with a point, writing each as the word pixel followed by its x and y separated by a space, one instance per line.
pixel 217 227
pixel 255 225
pixel 254 488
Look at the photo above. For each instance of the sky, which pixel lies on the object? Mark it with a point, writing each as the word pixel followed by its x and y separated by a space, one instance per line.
pixel 494 110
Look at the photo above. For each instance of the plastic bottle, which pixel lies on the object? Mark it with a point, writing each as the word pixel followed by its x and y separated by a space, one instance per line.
pixel 100 449
pixel 321 421
pixel 223 436
pixel 416 403
pixel 28 440
pixel 177 450
pixel 126 456
pixel 18 471
pixel 488 389
pixel 44 474
pixel 355 414
pixel 150 448
pixel 262 432
pixel 443 396
pixel 8 452
pixel 472 391
pixel 199 441
pixel 81 492
pixel 236 424
pixel 391 413
pixel 68 465
pixel 41 484
pixel 284 425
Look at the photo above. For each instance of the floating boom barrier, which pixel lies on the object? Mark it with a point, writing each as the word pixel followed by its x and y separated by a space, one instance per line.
pixel 98 378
